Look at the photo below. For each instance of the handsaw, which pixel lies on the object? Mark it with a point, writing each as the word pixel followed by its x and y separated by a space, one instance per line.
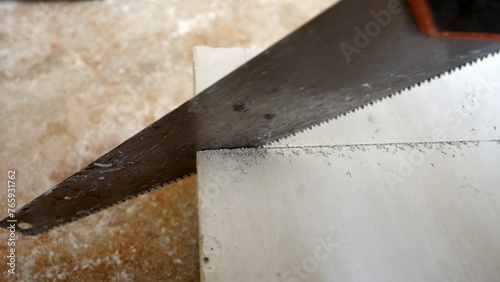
pixel 351 55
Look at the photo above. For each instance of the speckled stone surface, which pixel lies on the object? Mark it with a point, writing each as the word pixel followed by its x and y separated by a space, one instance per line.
pixel 77 79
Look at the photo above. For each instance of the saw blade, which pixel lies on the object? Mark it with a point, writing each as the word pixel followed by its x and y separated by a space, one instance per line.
pixel 351 55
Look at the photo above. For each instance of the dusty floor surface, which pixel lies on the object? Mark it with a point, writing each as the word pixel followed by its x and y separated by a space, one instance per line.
pixel 77 79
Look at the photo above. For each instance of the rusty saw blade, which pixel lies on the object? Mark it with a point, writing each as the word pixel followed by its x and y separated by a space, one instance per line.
pixel 354 53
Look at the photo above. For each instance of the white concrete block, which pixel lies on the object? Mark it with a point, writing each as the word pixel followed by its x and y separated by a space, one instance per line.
pixel 406 212
pixel 394 208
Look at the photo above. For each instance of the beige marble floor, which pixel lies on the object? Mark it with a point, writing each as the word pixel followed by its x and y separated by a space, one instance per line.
pixel 78 78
